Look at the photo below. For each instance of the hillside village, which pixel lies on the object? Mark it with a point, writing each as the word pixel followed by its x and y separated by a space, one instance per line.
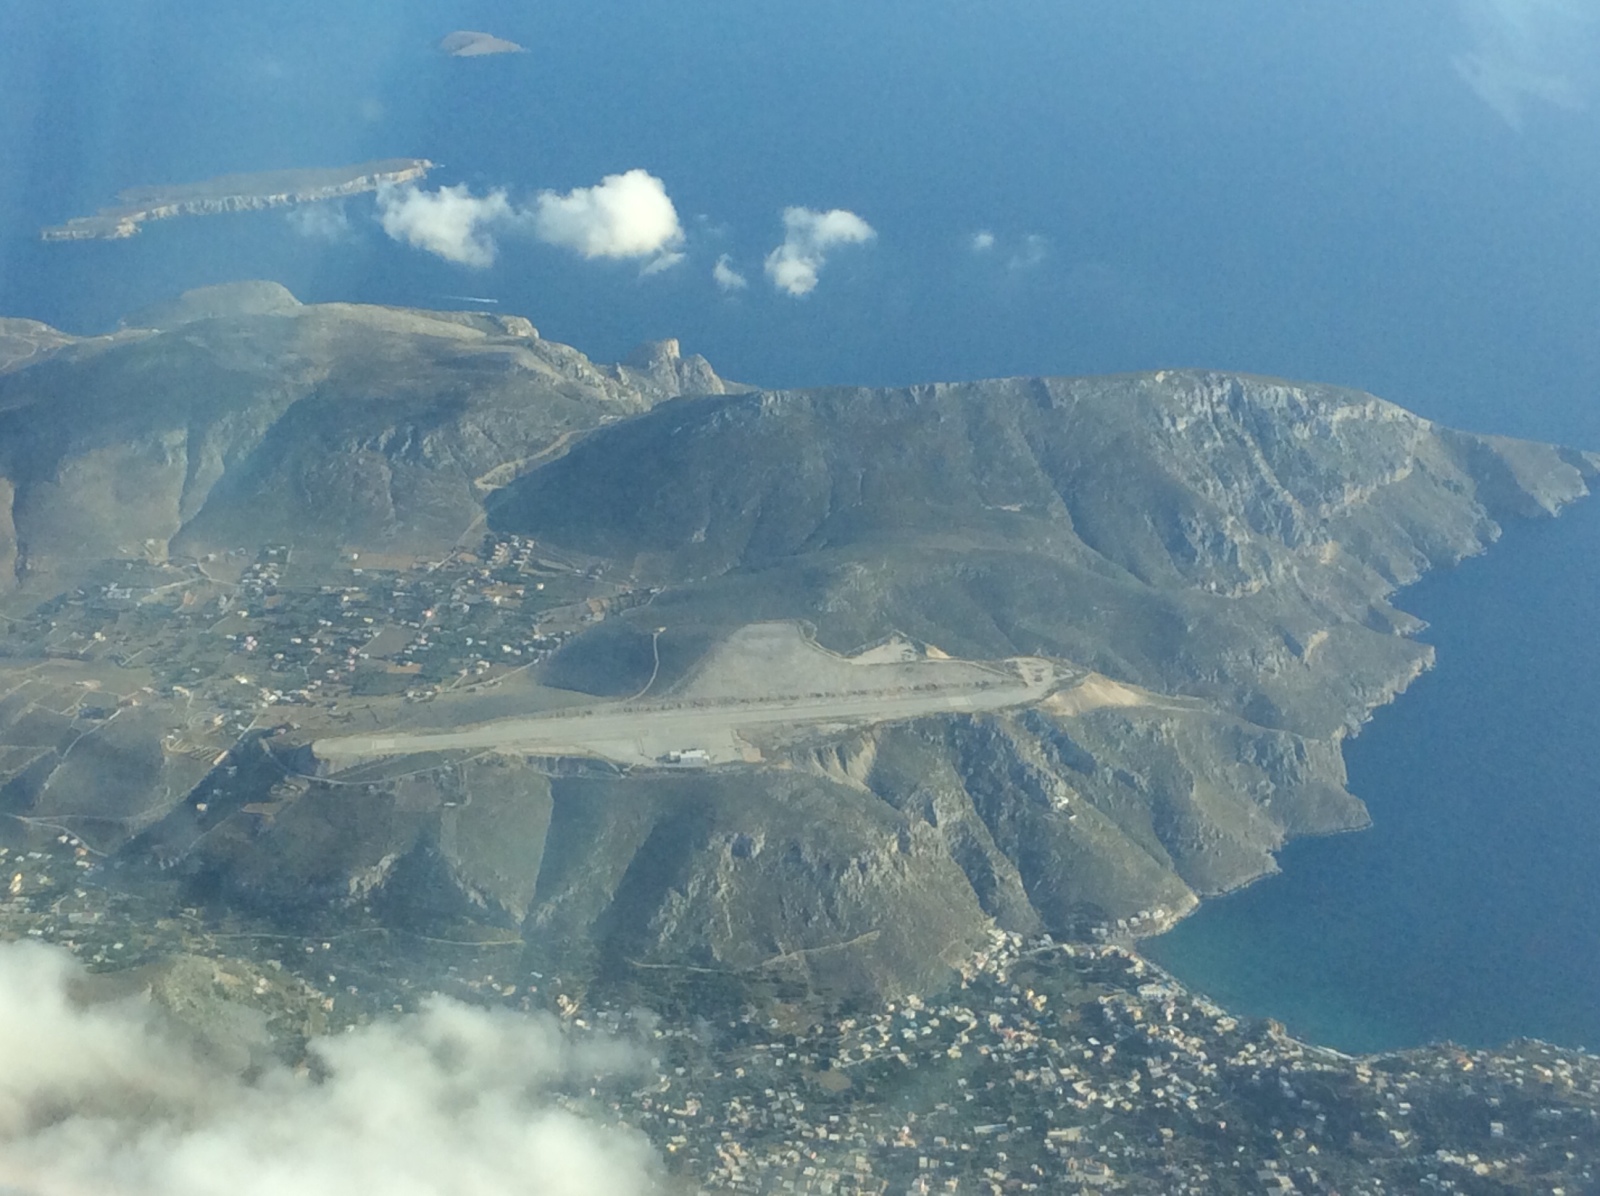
pixel 1047 1068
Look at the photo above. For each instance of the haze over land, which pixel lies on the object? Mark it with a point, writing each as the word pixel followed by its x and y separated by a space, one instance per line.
pixel 467 1092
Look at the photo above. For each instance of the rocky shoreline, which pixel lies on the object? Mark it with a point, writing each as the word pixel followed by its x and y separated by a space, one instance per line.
pixel 235 193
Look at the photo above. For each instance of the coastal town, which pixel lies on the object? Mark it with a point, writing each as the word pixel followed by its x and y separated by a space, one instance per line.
pixel 1046 1067
pixel 250 632
pixel 1054 1068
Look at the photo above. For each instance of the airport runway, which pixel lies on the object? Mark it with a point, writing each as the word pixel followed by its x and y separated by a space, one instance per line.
pixel 644 732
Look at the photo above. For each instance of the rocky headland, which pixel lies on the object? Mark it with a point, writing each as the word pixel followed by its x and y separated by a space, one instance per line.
pixel 244 526
pixel 234 193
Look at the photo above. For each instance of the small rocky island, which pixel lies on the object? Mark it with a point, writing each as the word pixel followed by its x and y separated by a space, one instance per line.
pixel 234 193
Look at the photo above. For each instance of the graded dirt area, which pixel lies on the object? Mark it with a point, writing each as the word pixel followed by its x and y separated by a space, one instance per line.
pixel 765 675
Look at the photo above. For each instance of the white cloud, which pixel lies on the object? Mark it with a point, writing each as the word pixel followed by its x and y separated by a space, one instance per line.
pixel 726 277
pixel 1032 252
pixel 451 222
pixel 320 221
pixel 662 261
pixel 808 236
pixel 624 216
pixel 453 1099
pixel 1531 52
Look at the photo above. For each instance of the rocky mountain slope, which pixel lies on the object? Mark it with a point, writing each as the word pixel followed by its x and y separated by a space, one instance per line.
pixel 1224 541
pixel 1213 554
pixel 237 416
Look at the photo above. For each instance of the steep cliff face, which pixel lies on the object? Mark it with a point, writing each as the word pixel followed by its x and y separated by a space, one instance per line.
pixel 234 193
pixel 660 370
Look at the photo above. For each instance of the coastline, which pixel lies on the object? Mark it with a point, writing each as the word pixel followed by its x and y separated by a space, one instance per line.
pixel 1483 818
pixel 235 193
pixel 1389 696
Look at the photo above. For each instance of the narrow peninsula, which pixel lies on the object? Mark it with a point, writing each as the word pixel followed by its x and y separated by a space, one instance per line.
pixel 235 193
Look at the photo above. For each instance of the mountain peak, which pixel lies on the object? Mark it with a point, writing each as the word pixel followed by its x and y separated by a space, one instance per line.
pixel 256 297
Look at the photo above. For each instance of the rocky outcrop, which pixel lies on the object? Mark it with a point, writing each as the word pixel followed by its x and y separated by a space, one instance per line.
pixel 659 369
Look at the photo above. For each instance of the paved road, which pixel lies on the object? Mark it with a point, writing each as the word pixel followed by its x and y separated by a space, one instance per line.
pixel 640 732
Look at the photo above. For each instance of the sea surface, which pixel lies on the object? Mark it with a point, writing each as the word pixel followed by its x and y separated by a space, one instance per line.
pixel 1470 911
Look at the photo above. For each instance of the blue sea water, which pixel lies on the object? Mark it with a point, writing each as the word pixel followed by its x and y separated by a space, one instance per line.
pixel 1305 190
pixel 1470 911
